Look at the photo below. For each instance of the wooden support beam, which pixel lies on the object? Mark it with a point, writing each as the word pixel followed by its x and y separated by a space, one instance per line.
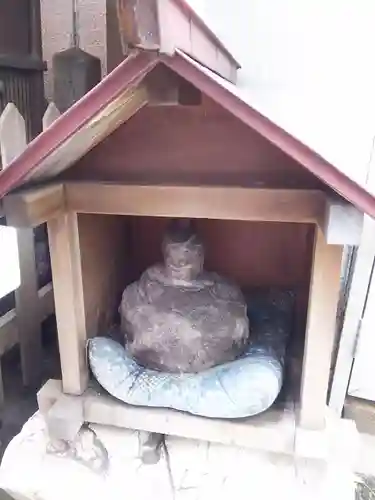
pixel 69 300
pixel 234 203
pixel 32 207
pixel 9 334
pixel 320 332
pixel 27 307
pixel 273 430
pixel 342 223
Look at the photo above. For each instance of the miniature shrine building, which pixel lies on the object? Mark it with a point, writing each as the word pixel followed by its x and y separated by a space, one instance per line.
pixel 168 134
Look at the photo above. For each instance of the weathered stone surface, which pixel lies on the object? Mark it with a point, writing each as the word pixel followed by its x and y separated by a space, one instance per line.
pixel 104 462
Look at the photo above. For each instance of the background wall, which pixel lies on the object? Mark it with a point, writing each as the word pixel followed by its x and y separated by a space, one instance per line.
pixel 57 22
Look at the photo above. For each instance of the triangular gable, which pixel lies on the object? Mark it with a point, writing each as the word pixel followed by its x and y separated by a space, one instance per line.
pixel 98 114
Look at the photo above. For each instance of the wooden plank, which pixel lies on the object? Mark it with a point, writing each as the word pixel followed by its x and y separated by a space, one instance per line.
pixel 138 24
pixel 89 266
pixel 106 121
pixel 320 332
pixel 9 334
pixel 273 430
pixel 342 223
pixel 280 205
pixel 69 301
pixel 353 315
pixel 180 27
pixel 27 308
pixel 32 207
pixel 12 134
pixel 51 115
pixel 105 268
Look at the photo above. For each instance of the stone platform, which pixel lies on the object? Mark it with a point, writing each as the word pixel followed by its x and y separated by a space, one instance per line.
pixel 104 462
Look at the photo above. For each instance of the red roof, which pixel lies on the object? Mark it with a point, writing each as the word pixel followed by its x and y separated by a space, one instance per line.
pixel 47 154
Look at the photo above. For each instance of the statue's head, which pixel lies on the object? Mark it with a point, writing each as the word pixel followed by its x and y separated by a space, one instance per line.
pixel 183 251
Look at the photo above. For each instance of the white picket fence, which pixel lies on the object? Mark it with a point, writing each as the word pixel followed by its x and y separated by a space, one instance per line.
pixel 23 324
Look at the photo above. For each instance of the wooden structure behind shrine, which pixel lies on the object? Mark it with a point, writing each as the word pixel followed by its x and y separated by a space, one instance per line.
pixel 169 134
pixel 23 308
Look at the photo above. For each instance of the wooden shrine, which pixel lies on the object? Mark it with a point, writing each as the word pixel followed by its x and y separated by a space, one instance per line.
pixel 168 134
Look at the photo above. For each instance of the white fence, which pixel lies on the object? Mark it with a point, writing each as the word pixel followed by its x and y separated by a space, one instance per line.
pixel 22 325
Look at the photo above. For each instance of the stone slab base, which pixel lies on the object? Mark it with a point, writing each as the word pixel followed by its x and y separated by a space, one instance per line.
pixel 104 462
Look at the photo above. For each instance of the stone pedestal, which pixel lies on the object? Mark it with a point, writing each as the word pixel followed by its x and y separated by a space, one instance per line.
pixel 105 462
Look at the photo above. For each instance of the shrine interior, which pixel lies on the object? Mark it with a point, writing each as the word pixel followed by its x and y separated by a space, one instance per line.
pixel 257 256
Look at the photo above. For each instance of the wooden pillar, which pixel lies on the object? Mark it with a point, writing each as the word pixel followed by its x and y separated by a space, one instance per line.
pixel 28 316
pixel 64 245
pixel 320 331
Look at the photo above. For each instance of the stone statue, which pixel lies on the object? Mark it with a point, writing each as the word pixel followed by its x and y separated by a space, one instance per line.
pixel 180 318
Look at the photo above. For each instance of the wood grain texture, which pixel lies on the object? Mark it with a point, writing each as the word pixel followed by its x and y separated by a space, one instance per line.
pixel 342 223
pixel 250 253
pixel 27 307
pixel 191 145
pixel 181 27
pixel 89 266
pixel 105 268
pixel 63 234
pixel 9 334
pixel 273 430
pixel 229 203
pixel 102 124
pixel 32 207
pixel 320 332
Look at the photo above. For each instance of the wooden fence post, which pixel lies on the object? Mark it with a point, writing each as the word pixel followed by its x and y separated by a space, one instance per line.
pixel 51 115
pixel 12 144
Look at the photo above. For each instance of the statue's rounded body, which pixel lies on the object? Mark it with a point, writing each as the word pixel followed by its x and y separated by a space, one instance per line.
pixel 179 318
